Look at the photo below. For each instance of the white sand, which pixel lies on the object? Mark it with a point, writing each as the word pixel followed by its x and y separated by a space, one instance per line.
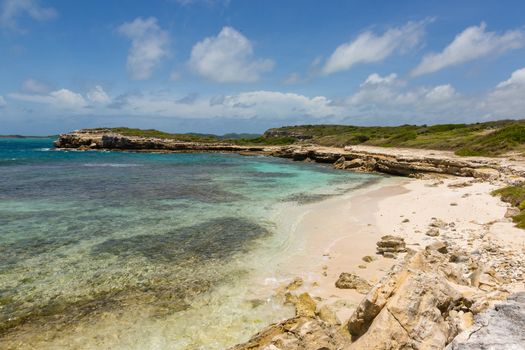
pixel 335 234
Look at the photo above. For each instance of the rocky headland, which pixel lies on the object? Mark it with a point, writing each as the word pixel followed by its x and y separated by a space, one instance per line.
pixel 455 278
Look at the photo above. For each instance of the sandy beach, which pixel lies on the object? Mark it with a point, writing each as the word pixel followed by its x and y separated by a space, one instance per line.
pixel 337 233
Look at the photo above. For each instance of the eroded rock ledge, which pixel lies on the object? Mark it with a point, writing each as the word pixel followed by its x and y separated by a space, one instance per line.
pixel 404 162
pixel 424 302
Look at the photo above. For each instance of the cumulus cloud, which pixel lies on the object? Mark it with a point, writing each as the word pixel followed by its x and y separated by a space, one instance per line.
pixel 12 10
pixel 387 99
pixel 228 57
pixel 507 98
pixel 148 46
pixel 516 79
pixel 369 47
pixel 98 95
pixel 473 43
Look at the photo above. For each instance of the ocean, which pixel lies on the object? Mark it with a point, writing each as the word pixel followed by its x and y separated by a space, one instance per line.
pixel 118 250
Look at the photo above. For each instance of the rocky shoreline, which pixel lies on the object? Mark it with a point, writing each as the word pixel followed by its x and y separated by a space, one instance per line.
pixel 393 161
pixel 450 293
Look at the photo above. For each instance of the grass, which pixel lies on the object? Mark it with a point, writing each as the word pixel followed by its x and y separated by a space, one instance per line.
pixel 515 195
pixel 479 139
pixel 232 138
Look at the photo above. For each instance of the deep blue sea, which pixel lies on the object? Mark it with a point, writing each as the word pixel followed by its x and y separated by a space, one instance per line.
pixel 146 251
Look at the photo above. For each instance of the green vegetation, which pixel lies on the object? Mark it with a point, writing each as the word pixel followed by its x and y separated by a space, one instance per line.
pixel 515 195
pixel 479 139
pixel 239 139
pixel 162 135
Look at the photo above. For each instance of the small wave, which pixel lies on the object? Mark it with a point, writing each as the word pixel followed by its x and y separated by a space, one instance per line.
pixel 114 165
pixel 43 149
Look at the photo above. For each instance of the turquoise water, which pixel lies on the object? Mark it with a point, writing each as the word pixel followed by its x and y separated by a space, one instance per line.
pixel 122 250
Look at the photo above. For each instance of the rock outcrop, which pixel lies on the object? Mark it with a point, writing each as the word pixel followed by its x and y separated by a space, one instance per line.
pixel 395 161
pixel 298 333
pixel 414 307
pixel 502 327
pixel 105 139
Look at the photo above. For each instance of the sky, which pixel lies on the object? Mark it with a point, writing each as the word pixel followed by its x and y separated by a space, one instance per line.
pixel 219 66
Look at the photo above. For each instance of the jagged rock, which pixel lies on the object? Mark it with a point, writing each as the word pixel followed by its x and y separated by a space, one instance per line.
pixel 299 333
pixel 499 328
pixel 351 281
pixel 390 245
pixel 304 304
pixel 409 309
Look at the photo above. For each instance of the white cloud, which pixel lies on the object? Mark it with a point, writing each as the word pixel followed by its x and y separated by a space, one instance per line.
pixel 228 57
pixel 2 102
pixel 62 98
pixel 11 10
pixel 148 46
pixel 98 95
pixel 35 87
pixel 473 43
pixel 517 78
pixel 441 93
pixel 507 99
pixel 369 47
pixel 375 79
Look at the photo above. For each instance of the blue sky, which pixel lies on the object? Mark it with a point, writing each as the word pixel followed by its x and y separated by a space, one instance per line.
pixel 244 66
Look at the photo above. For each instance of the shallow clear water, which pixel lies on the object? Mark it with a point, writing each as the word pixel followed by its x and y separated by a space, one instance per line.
pixel 135 250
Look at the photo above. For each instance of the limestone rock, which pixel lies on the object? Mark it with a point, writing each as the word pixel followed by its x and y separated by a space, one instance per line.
pixel 298 333
pixel 391 244
pixel 351 281
pixel 304 304
pixel 499 328
pixel 409 309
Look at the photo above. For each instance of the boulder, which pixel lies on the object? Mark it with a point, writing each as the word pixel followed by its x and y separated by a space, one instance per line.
pixel 391 244
pixel 352 281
